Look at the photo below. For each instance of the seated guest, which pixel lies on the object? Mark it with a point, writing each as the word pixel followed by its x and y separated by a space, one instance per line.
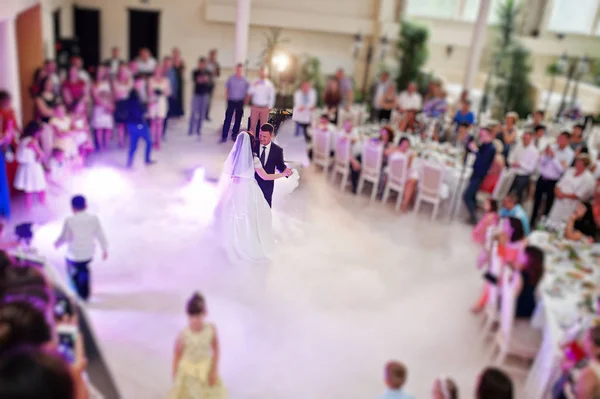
pixel 511 208
pixel 387 102
pixel 491 179
pixel 462 137
pixel 494 384
pixel 350 133
pixel 464 115
pixel 530 271
pixel 409 123
pixel 485 154
pixel 581 224
pixel 395 378
pixel 444 388
pixel 540 140
pixel 508 133
pixel 582 375
pixel 386 137
pixel 410 99
pixel 577 184
pixel 523 159
pixel 324 125
pixel 437 105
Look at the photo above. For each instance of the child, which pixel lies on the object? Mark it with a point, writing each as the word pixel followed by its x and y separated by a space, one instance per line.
pixel 444 388
pixel 81 130
pixel 489 219
pixel 63 137
pixel 103 119
pixel 395 377
pixel 30 176
pixel 196 358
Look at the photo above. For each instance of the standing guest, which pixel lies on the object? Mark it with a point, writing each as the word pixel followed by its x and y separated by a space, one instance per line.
pixel 387 102
pixel 523 159
pixel 578 144
pixel 30 176
pixel 305 102
pixel 380 88
pixel 444 388
pixel 346 89
pixel 577 184
pixel 494 384
pixel 178 110
pixel 332 99
pixel 201 78
pixel 508 134
pixel 485 155
pixel 196 357
pixel 74 88
pixel 464 96
pixel 512 209
pixel 464 114
pixel 538 117
pixel 581 224
pixel 262 95
pixel 171 75
pixel 215 72
pixel 45 102
pixel 490 219
pixel 554 161
pixel 409 123
pixel 146 63
pixel 395 378
pixel 103 121
pixel 410 99
pixel 48 71
pixel 121 87
pixel 159 90
pixel 114 62
pixel 80 130
pixel 491 179
pixel 236 91
pixel 136 121
pixel 64 143
pixel 540 139
pixel 80 232
pixel 83 74
pixel 437 105
pixel 8 129
pixel 529 272
pixel 133 68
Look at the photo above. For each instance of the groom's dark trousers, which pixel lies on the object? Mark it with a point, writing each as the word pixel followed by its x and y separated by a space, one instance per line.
pixel 270 163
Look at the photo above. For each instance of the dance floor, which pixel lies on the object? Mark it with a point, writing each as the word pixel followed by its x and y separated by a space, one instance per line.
pixel 352 284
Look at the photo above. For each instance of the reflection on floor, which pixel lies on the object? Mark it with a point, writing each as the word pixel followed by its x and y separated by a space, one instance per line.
pixel 352 284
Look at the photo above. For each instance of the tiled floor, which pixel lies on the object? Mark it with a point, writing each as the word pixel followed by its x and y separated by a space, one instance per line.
pixel 352 283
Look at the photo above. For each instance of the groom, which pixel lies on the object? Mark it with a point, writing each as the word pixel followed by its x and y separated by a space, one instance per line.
pixel 271 157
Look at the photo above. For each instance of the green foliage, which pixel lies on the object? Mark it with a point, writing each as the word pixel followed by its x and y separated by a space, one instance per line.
pixel 412 45
pixel 273 41
pixel 553 69
pixel 507 12
pixel 514 92
pixel 310 70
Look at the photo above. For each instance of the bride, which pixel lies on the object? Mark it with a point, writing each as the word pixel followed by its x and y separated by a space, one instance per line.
pixel 243 215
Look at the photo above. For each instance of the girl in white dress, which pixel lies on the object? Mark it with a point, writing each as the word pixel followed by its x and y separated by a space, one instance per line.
pixel 121 88
pixel 159 90
pixel 80 130
pixel 103 120
pixel 30 176
pixel 63 136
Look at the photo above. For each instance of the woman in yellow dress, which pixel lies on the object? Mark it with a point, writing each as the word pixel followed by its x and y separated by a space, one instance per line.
pixel 196 357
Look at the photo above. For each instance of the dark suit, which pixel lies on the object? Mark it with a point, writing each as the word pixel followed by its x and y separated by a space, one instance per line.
pixel 273 161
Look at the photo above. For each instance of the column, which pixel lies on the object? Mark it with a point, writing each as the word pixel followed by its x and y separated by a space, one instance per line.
pixel 242 26
pixel 9 68
pixel 477 42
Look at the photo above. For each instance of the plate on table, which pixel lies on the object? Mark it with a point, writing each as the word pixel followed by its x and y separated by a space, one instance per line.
pixel 575 275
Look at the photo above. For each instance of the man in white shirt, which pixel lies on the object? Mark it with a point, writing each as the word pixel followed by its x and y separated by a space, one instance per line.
pixel 576 185
pixel 410 99
pixel 80 231
pixel 114 62
pixel 380 88
pixel 146 64
pixel 346 89
pixel 523 160
pixel 554 161
pixel 305 101
pixel 540 140
pixel 262 95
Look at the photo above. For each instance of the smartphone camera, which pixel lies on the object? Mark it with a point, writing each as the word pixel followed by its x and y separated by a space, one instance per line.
pixel 67 335
pixel 63 310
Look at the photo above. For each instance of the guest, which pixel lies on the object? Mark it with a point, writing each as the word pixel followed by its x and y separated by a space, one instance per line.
pixel 464 114
pixel 80 232
pixel 262 96
pixel 349 132
pixel 581 224
pixel 436 106
pixel 444 388
pixel 489 219
pixel 464 96
pixel 395 378
pixel 63 137
pixel 177 110
pixel 74 89
pixel 197 355
pixel 30 173
pixel 386 138
pixel 587 383
pixel 48 71
pixel 523 159
pixel 114 62
pixel 409 123
pixel 494 384
pixel 305 102
pixel 103 120
pixel 508 134
pixel 201 78
pixel 80 130
pixel 215 72
pixel 387 103
pixel 540 139
pixel 82 73
pixel 379 91
pixel 332 99
pixel 485 155
pixel 346 89
pixel 136 121
pixel 45 102
pixel 513 209
pixel 146 63
pixel 121 87
pixel 577 143
pixel 462 137
pixel 159 91
pixel 133 68
pixel 577 184
pixel 236 93
pixel 529 274
pixel 554 161
pixel 9 130
pixel 171 75
pixel 538 118
pixel 410 99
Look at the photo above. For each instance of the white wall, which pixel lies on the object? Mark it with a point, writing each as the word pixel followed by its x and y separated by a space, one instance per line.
pixel 66 17
pixel 9 68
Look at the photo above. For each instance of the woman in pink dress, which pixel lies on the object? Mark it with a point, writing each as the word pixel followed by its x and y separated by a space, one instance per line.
pixel 74 89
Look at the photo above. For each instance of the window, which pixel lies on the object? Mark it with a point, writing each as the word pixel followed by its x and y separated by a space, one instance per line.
pixel 432 8
pixel 472 9
pixel 572 17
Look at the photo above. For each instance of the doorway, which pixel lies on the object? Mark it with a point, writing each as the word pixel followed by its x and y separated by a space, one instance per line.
pixel 144 27
pixel 56 28
pixel 87 32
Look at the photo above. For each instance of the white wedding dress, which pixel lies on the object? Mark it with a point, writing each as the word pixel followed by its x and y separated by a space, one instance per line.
pixel 243 217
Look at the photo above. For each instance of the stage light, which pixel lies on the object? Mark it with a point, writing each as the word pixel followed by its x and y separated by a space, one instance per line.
pixel 281 61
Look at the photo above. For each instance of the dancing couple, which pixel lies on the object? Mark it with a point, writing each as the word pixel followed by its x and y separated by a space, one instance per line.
pixel 248 183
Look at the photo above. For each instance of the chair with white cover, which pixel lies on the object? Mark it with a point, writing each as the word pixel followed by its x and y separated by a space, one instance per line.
pixel 341 160
pixel 322 148
pixel 397 172
pixel 495 267
pixel 431 187
pixel 505 182
pixel 372 159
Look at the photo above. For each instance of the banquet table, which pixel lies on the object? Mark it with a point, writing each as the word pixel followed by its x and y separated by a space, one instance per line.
pixel 567 301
